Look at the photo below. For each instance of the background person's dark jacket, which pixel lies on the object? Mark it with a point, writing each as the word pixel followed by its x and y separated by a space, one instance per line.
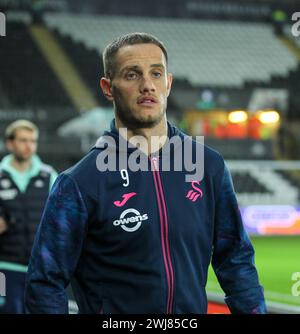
pixel 22 212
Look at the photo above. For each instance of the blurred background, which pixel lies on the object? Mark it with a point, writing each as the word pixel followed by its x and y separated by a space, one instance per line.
pixel 236 82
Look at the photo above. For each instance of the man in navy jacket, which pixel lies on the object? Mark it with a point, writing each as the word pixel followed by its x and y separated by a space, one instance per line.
pixel 141 240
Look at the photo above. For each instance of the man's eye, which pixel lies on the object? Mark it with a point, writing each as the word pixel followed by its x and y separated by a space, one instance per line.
pixel 131 76
pixel 157 74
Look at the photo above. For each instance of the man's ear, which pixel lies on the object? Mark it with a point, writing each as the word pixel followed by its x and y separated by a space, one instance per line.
pixel 169 82
pixel 105 85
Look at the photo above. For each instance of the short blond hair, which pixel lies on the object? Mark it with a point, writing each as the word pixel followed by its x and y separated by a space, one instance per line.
pixel 10 132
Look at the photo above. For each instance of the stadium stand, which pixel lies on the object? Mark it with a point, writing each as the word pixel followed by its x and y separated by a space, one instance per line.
pixel 206 52
pixel 245 183
pixel 266 182
pixel 82 57
pixel 29 88
pixel 26 79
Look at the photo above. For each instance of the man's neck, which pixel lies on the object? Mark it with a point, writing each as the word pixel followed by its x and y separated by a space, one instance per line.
pixel 20 166
pixel 154 137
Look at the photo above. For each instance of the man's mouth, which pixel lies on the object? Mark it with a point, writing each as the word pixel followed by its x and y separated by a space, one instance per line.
pixel 147 100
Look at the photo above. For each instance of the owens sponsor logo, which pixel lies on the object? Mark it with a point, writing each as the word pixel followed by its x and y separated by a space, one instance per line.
pixel 130 220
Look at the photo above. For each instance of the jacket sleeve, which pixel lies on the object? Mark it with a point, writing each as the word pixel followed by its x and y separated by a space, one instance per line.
pixel 233 255
pixel 57 248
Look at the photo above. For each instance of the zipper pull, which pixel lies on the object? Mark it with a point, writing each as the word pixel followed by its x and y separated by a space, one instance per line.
pixel 155 163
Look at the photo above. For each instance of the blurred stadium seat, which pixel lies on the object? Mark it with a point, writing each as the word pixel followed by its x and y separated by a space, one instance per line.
pixel 28 79
pixel 207 53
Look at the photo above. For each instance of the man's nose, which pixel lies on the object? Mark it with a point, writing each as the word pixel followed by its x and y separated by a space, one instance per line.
pixel 147 84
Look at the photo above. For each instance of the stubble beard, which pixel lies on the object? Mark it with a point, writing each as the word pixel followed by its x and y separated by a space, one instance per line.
pixel 132 121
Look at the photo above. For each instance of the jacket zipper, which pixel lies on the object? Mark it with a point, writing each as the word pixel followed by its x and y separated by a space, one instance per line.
pixel 164 232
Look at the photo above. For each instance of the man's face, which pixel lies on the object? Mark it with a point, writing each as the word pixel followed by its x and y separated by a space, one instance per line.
pixel 140 86
pixel 24 145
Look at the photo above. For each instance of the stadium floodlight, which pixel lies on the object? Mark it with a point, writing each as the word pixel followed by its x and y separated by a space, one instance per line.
pixel 269 117
pixel 238 116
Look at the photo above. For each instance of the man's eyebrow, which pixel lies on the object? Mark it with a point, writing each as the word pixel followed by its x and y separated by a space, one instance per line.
pixel 136 67
pixel 157 65
pixel 130 67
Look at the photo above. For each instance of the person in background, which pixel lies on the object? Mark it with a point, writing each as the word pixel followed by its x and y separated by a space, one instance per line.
pixel 25 182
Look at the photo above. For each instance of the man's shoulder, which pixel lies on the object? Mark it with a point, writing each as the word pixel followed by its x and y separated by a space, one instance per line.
pixel 85 168
pixel 213 160
pixel 213 155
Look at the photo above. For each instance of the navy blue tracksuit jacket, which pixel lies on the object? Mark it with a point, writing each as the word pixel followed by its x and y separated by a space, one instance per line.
pixel 141 241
